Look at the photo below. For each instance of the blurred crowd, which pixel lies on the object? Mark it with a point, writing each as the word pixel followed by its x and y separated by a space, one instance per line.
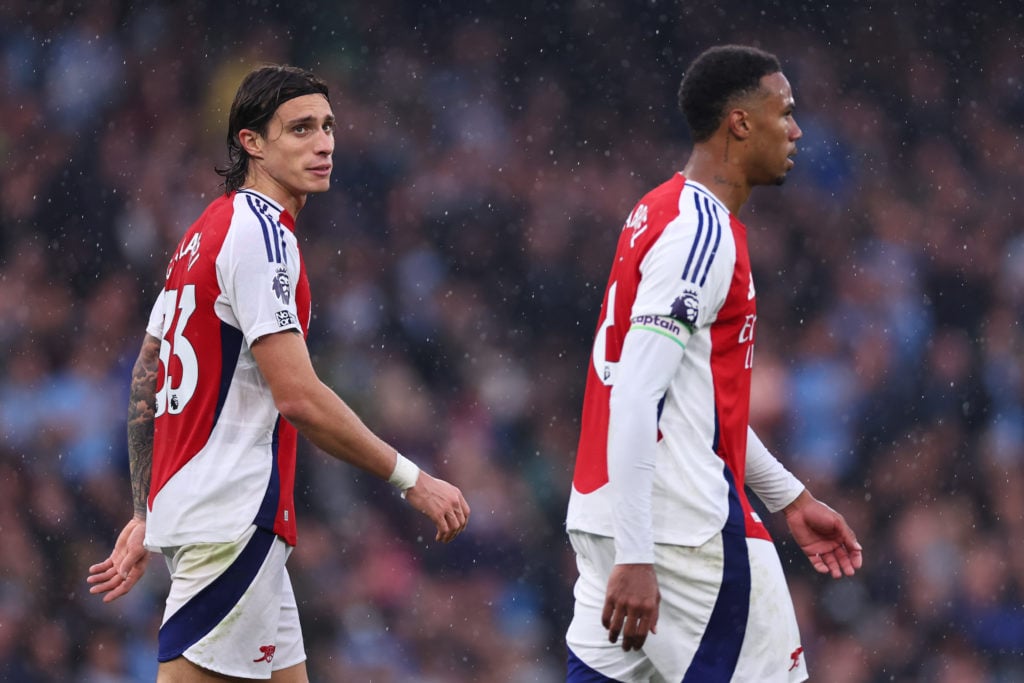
pixel 487 155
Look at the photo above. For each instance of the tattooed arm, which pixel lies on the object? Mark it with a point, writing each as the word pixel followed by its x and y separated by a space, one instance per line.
pixel 141 411
pixel 116 575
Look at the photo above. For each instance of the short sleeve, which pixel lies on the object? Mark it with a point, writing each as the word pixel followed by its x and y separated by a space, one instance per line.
pixel 259 282
pixel 155 326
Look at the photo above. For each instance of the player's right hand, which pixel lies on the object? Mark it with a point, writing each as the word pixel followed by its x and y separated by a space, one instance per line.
pixel 442 503
pixel 117 574
pixel 631 604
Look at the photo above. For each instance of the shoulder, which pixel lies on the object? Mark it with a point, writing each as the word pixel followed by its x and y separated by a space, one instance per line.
pixel 252 224
pixel 253 211
pixel 683 206
pixel 221 218
pixel 661 204
pixel 650 216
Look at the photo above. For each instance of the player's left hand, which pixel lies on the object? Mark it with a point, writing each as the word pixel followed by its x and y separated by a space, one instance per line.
pixel 824 536
pixel 117 574
pixel 442 502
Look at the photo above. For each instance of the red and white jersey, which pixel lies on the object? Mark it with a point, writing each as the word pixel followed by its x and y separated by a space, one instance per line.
pixel 682 270
pixel 223 457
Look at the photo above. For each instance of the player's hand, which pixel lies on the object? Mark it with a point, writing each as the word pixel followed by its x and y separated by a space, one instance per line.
pixel 117 574
pixel 442 503
pixel 631 604
pixel 824 536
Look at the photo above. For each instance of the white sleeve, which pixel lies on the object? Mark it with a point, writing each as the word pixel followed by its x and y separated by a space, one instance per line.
pixel 648 362
pixel 774 484
pixel 259 285
pixel 662 292
pixel 155 326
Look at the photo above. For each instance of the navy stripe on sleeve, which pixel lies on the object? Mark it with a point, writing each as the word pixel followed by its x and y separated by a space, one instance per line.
pixel 705 241
pixel 708 215
pixel 696 239
pixel 714 249
pixel 267 230
pixel 281 244
pixel 273 230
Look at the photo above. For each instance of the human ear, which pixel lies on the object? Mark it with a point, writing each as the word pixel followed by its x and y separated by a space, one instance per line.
pixel 251 142
pixel 739 127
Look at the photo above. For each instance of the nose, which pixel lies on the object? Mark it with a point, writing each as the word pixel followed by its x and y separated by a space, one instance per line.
pixel 795 133
pixel 325 142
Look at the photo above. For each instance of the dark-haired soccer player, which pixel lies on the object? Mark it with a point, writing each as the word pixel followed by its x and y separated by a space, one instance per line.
pixel 671 556
pixel 222 385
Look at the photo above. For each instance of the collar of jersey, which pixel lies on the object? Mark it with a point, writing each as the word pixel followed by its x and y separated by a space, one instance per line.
pixel 701 189
pixel 286 218
pixel 264 197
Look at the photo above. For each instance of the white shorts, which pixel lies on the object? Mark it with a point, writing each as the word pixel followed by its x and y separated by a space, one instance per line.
pixel 231 608
pixel 725 616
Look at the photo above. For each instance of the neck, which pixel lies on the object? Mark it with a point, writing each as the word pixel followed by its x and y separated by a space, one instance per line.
pixel 710 165
pixel 291 202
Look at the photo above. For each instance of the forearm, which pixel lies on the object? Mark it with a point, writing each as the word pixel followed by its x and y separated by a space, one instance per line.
pixel 767 477
pixel 315 410
pixel 141 413
pixel 330 424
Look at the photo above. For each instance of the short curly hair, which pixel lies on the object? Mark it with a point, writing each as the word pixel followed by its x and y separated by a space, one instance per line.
pixel 715 78
pixel 261 92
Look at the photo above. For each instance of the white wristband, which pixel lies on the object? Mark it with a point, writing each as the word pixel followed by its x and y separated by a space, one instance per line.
pixel 405 474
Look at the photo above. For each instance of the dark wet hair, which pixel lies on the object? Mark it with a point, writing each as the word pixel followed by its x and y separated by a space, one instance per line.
pixel 262 91
pixel 716 77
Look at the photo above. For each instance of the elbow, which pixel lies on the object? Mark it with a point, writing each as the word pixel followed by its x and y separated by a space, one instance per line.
pixel 300 410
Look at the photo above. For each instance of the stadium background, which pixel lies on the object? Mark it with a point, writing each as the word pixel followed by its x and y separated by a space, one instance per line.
pixel 487 155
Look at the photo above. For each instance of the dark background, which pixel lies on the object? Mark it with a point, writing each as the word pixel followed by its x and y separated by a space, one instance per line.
pixel 487 156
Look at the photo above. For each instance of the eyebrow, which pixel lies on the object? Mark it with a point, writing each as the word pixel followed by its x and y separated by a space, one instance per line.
pixel 308 119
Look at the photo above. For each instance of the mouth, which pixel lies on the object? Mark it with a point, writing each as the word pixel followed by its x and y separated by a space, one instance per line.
pixel 323 171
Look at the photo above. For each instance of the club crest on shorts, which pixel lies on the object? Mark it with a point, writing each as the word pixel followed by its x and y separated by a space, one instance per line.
pixel 267 653
pixel 795 657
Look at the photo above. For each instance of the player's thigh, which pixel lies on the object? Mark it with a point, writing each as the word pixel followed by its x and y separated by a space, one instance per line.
pixel 772 652
pixel 181 670
pixel 231 609
pixel 291 674
pixel 592 657
pixel 690 581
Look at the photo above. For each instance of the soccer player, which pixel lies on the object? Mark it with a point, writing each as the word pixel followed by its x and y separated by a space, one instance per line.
pixel 672 558
pixel 221 387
